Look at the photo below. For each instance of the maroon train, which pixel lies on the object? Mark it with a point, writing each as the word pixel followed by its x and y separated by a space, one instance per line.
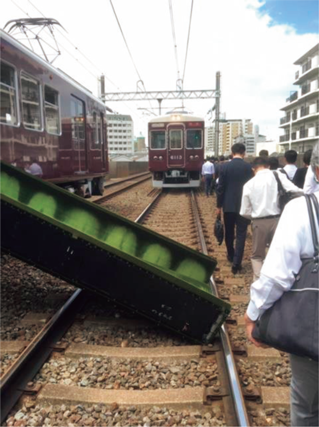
pixel 176 150
pixel 48 118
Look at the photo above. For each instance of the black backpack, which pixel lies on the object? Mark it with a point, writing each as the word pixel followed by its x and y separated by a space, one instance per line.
pixel 283 195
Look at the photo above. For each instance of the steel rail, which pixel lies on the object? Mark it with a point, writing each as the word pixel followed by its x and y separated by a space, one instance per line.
pixel 140 218
pixel 127 178
pixel 16 378
pixel 120 190
pixel 234 382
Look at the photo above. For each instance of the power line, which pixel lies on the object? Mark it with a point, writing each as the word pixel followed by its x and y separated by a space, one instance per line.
pixel 174 36
pixel 189 31
pixel 118 22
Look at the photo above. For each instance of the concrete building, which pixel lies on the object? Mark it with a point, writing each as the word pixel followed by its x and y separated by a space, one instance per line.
pixel 270 145
pixel 229 130
pixel 301 121
pixel 209 140
pixel 139 144
pixel 120 131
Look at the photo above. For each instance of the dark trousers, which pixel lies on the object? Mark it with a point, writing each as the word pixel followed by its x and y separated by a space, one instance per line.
pixel 233 220
pixel 208 183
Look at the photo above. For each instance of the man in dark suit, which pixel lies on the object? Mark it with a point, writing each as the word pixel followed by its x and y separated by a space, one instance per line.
pixel 233 177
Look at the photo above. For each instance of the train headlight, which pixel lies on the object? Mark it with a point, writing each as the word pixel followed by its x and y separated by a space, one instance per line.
pixel 155 157
pixel 160 157
pixel 196 157
pixel 191 157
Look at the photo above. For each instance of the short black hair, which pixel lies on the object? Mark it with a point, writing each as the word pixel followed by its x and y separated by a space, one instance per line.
pixel 273 163
pixel 221 158
pixel 263 153
pixel 238 148
pixel 291 156
pixel 307 156
pixel 260 161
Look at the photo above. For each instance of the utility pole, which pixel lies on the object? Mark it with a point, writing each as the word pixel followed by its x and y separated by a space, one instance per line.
pixel 217 104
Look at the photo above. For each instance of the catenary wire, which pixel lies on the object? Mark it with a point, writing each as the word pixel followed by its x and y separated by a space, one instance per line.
pixel 189 31
pixel 174 37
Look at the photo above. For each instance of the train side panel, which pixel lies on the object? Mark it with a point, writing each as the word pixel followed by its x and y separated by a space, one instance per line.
pixel 47 117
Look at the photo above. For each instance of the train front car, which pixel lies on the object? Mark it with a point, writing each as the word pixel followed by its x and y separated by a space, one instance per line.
pixel 49 119
pixel 176 150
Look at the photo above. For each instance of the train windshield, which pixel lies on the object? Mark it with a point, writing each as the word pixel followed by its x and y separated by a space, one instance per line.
pixel 194 139
pixel 175 137
pixel 157 139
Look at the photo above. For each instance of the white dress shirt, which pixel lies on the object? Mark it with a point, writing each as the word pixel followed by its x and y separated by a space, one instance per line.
pixel 291 170
pixel 260 194
pixel 310 185
pixel 208 168
pixel 292 241
pixel 35 169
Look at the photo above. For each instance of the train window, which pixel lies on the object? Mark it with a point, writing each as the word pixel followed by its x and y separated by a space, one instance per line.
pixel 52 114
pixel 175 137
pixel 8 95
pixel 31 103
pixel 194 139
pixel 77 124
pixel 157 140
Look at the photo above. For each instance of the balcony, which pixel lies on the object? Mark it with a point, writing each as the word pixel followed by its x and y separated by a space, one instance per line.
pixel 294 115
pixel 305 89
pixel 292 97
pixel 284 120
pixel 293 136
pixel 297 75
pixel 285 138
pixel 304 112
pixel 303 133
pixel 306 66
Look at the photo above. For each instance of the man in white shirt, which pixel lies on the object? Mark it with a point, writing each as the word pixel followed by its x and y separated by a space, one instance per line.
pixel 310 185
pixel 290 168
pixel 35 169
pixel 260 204
pixel 208 173
pixel 291 243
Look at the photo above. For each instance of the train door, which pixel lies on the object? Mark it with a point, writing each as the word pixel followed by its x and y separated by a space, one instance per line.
pixel 78 126
pixel 103 141
pixel 176 145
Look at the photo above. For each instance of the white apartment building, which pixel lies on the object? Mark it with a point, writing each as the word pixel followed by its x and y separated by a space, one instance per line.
pixel 120 131
pixel 301 121
pixel 249 141
pixel 210 140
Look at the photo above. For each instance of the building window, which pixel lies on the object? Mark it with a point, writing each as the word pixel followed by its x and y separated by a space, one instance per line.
pixel 31 103
pixel 52 113
pixel 8 95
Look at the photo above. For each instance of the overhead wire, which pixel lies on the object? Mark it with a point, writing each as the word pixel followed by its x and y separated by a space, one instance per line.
pixel 189 31
pixel 79 62
pixel 128 49
pixel 174 37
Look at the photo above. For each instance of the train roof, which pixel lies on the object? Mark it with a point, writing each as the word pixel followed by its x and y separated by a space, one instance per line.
pixel 180 117
pixel 7 37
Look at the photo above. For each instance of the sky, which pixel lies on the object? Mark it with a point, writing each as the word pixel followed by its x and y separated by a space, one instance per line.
pixel 253 43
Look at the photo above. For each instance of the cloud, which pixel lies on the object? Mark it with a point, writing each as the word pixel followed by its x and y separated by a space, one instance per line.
pixel 254 55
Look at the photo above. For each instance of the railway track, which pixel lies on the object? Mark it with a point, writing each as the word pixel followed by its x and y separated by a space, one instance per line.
pixel 115 188
pixel 218 393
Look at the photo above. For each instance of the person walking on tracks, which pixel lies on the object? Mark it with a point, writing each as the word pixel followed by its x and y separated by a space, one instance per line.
pixel 208 173
pixel 233 176
pixel 292 243
pixel 260 204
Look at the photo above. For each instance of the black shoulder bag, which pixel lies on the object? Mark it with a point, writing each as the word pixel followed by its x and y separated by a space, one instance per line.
pixel 284 196
pixel 291 324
